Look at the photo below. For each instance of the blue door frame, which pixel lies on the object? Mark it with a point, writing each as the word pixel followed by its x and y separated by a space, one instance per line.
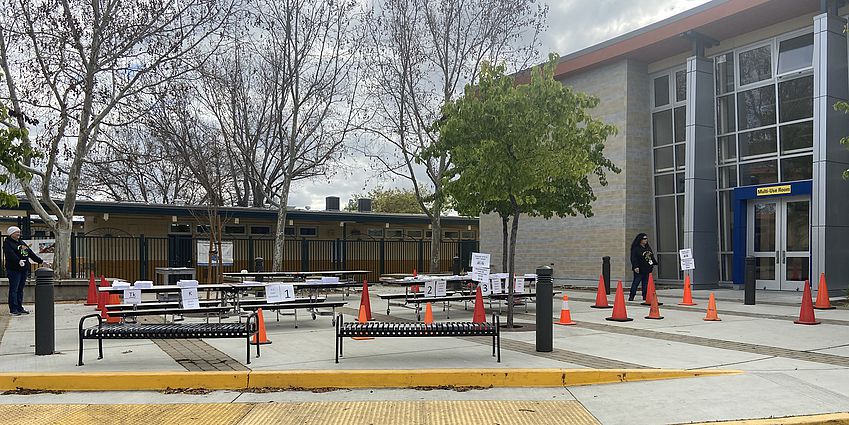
pixel 741 197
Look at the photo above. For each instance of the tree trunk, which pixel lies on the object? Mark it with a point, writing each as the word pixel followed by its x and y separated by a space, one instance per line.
pixel 435 244
pixel 280 234
pixel 504 239
pixel 62 249
pixel 512 267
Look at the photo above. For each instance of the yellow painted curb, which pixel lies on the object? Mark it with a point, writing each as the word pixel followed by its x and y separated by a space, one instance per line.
pixel 312 379
pixel 826 419
pixel 123 381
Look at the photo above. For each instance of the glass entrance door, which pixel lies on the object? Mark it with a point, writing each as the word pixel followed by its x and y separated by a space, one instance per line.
pixel 779 239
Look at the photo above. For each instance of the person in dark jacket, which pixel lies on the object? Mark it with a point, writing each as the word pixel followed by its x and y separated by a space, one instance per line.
pixel 642 264
pixel 18 255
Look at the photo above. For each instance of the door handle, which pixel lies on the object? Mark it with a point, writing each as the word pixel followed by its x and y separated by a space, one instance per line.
pixel 783 257
pixel 777 256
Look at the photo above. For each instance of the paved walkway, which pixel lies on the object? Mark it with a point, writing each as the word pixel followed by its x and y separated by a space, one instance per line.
pixel 789 369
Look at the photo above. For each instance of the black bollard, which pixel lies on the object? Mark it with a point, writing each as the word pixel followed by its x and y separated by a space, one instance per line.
pixel 605 273
pixel 545 290
pixel 749 282
pixel 456 266
pixel 45 342
pixel 259 266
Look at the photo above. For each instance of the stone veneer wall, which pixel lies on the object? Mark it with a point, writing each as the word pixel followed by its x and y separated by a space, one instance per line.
pixel 574 246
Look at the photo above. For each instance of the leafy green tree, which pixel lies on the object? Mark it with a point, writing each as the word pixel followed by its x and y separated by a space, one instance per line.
pixel 844 107
pixel 523 149
pixel 389 201
pixel 13 151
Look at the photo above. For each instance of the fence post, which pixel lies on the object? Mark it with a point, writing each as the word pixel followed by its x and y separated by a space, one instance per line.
pixel 73 254
pixel 250 253
pixel 421 256
pixel 382 257
pixel 305 255
pixel 344 245
pixel 142 257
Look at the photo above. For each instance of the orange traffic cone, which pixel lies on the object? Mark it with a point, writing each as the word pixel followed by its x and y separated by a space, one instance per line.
pixel 414 273
pixel 102 297
pixel 711 315
pixel 823 303
pixel 260 338
pixel 806 314
pixel 415 287
pixel 619 313
pixel 480 313
pixel 650 292
pixel 363 318
pixel 92 290
pixel 365 301
pixel 112 299
pixel 428 315
pixel 601 296
pixel 565 314
pixel 654 311
pixel 688 292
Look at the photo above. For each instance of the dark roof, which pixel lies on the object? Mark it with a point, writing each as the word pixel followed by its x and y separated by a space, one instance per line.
pixel 718 19
pixel 130 208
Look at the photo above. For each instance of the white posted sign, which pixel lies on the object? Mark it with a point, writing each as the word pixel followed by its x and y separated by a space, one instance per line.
pixel 519 285
pixel 495 282
pixel 189 297
pixel 480 260
pixel 279 292
pixel 132 296
pixel 687 260
pixel 435 288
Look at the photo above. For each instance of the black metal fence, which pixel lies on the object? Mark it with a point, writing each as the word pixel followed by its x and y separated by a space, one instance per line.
pixel 136 257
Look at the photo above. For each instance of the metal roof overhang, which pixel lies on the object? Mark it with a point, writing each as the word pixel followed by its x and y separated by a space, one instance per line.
pixel 718 19
pixel 129 208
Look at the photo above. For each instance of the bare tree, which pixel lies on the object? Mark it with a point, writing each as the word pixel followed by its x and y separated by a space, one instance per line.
pixel 420 54
pixel 76 64
pixel 309 64
pixel 129 164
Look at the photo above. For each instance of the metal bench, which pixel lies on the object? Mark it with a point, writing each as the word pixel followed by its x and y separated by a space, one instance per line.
pixel 410 330
pixel 166 331
pixel 312 306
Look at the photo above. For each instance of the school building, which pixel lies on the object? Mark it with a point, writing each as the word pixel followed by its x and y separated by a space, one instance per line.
pixel 729 145
pixel 130 240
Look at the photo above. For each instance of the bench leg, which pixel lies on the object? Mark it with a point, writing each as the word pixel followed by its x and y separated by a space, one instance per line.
pixel 80 363
pixel 248 349
pixel 99 348
pixel 296 317
pixel 387 306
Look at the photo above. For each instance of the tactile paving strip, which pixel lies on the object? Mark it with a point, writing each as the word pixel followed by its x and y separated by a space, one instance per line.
pixel 567 412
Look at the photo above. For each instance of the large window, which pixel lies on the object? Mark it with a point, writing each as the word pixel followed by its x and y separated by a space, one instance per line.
pixel 669 116
pixel 764 122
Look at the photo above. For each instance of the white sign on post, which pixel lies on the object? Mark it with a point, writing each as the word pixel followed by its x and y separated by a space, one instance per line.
pixel 480 260
pixel 518 285
pixel 189 297
pixel 687 260
pixel 480 274
pixel 279 292
pixel 132 296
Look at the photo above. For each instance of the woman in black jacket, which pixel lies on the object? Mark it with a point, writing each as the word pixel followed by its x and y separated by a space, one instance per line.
pixel 642 263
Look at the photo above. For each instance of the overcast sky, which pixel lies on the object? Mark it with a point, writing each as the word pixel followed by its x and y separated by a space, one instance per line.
pixel 572 25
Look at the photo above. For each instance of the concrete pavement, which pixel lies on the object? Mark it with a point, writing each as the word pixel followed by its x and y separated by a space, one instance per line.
pixel 789 369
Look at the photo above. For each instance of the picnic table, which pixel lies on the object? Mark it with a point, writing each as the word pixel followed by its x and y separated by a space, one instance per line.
pixel 342 274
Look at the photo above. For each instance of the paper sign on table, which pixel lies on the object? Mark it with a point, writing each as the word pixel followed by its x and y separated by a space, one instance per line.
pixel 118 284
pixel 330 279
pixel 132 296
pixel 495 282
pixel 441 287
pixel 143 284
pixel 187 283
pixel 435 288
pixel 279 292
pixel 189 297
pixel 486 288
pixel 519 285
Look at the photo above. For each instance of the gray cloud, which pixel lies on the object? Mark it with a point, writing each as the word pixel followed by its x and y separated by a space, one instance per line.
pixel 572 25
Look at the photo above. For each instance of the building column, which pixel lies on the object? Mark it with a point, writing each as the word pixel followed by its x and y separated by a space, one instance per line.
pixel 830 193
pixel 700 222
